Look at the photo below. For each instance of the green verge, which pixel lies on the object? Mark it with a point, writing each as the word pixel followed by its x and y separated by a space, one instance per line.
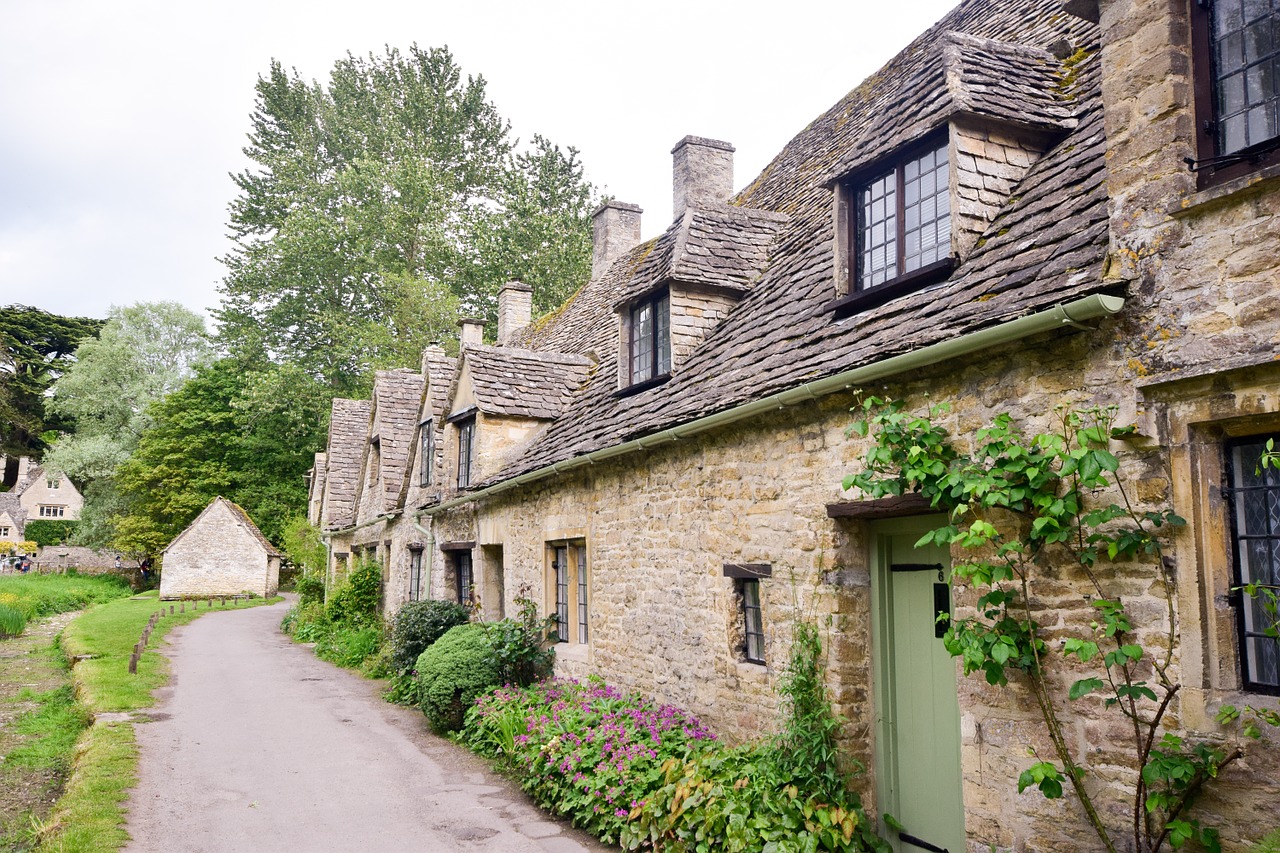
pixel 90 816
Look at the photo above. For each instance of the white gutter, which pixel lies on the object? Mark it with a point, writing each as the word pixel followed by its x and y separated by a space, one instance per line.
pixel 1073 314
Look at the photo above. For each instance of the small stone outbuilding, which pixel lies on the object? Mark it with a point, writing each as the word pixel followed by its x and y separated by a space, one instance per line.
pixel 222 552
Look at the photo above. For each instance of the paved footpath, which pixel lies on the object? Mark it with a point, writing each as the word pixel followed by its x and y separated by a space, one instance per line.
pixel 258 746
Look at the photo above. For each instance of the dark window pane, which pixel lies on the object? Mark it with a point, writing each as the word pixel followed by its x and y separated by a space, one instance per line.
pixel 1255 495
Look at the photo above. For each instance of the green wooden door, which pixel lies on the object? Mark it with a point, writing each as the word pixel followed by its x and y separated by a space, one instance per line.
pixel 918 732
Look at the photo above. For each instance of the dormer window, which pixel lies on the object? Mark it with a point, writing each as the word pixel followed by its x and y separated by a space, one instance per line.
pixel 426 452
pixel 895 223
pixel 904 218
pixel 466 450
pixel 650 337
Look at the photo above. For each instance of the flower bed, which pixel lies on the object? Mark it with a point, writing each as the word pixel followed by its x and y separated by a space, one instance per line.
pixel 650 776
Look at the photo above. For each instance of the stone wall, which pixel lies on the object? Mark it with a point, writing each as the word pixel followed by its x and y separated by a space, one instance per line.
pixel 217 556
pixel 694 313
pixel 988 161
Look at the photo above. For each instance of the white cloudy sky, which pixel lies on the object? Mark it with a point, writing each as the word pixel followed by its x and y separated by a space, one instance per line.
pixel 120 121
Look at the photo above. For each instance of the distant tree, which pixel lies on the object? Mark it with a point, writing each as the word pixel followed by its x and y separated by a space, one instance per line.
pixel 35 349
pixel 144 352
pixel 541 232
pixel 367 222
pixel 245 433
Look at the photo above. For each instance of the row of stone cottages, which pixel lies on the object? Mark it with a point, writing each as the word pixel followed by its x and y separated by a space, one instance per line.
pixel 1034 204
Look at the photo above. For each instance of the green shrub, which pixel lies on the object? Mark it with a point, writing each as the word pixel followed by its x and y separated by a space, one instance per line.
pixel 12 622
pixel 522 648
pixel 310 588
pixel 357 599
pixel 452 673
pixel 304 547
pixel 418 625
pixel 50 531
pixel 349 646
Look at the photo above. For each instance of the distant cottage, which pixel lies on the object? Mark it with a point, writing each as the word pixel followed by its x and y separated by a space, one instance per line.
pixel 222 552
pixel 35 495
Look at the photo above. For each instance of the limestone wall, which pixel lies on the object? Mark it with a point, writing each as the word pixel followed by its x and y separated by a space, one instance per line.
pixel 217 556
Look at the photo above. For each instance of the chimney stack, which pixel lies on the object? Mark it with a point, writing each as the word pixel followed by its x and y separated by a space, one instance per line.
pixel 472 331
pixel 432 350
pixel 615 230
pixel 515 309
pixel 702 173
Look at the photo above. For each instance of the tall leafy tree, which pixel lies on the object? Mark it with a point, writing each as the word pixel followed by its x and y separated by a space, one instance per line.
pixel 247 433
pixel 36 347
pixel 367 221
pixel 144 352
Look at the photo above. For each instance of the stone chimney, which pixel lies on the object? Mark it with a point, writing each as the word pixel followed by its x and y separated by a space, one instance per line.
pixel 432 350
pixel 24 464
pixel 515 309
pixel 472 331
pixel 702 173
pixel 615 230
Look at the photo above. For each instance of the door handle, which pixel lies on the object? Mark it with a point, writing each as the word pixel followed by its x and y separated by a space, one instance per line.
pixel 921 843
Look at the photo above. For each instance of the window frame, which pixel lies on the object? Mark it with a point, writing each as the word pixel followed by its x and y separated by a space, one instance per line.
pixel 426 452
pixel 569 583
pixel 860 296
pixel 61 511
pixel 1206 144
pixel 659 345
pixel 463 567
pixel 415 573
pixel 466 450
pixel 750 615
pixel 1233 490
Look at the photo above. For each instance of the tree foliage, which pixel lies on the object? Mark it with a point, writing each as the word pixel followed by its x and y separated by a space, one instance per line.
pixel 382 204
pixel 36 347
pixel 242 433
pixel 144 352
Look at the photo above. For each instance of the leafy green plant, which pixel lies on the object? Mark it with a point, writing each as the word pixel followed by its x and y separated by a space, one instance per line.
pixel 1269 844
pixel 805 753
pixel 1022 508
pixel 453 672
pixel 418 624
pixel 12 622
pixel 49 531
pixel 310 588
pixel 356 599
pixel 522 648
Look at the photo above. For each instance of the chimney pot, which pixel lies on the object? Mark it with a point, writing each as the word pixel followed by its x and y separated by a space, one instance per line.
pixel 615 230
pixel 472 331
pixel 702 173
pixel 515 309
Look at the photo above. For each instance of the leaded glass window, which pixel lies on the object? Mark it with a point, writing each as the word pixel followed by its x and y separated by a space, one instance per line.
pixel 1255 516
pixel 650 337
pixel 904 218
pixel 1246 70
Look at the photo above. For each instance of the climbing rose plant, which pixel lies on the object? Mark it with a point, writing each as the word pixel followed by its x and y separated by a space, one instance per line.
pixel 1054 506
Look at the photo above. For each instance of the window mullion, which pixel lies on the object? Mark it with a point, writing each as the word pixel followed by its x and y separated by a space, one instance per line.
pixel 900 219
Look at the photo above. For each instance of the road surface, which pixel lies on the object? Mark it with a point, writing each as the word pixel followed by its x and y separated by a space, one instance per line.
pixel 258 746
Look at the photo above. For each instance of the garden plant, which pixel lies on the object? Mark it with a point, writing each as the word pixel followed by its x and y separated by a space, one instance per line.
pixel 1054 508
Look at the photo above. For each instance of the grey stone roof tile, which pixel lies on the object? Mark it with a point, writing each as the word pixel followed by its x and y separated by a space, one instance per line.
pixel 348 435
pixel 522 383
pixel 397 399
pixel 1045 246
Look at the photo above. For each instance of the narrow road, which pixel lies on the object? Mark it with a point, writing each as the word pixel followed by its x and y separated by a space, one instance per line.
pixel 258 746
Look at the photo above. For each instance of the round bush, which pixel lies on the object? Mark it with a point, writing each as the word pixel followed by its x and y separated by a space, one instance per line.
pixel 310 588
pixel 418 624
pixel 453 672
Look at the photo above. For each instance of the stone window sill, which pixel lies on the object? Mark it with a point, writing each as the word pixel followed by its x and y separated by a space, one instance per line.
pixel 573 651
pixel 752 672
pixel 1263 179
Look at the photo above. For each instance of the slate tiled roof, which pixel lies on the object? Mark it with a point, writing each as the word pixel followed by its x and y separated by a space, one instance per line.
pixel 1045 247
pixel 725 247
pixel 241 516
pixel 520 383
pixel 348 434
pixel 441 372
pixel 1015 82
pixel 10 503
pixel 397 398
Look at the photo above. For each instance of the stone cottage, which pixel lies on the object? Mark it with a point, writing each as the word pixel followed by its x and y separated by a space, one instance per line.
pixel 222 552
pixel 35 496
pixel 1035 204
